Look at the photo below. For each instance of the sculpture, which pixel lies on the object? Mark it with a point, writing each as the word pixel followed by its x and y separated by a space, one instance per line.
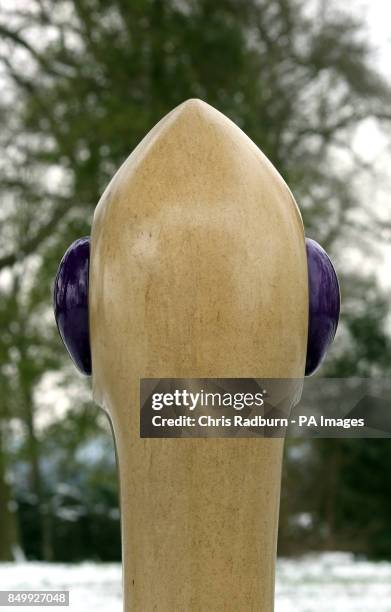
pixel 198 268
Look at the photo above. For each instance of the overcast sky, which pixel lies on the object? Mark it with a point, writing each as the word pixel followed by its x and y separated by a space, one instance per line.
pixel 378 14
pixel 372 145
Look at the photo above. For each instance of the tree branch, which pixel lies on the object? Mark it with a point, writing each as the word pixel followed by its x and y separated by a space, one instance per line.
pixel 22 42
pixel 29 245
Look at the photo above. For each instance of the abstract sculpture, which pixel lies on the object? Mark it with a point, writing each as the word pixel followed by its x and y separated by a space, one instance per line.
pixel 198 269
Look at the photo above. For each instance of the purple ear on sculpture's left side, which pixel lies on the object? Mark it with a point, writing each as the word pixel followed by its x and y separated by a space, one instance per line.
pixel 71 303
pixel 324 305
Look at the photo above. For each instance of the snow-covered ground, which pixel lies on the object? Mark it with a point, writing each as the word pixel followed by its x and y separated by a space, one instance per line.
pixel 330 582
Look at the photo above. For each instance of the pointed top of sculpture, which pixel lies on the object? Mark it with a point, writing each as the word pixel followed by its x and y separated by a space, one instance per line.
pixel 193 106
pixel 195 137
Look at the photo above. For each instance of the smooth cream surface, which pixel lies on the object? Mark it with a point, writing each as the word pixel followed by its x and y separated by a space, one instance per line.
pixel 198 269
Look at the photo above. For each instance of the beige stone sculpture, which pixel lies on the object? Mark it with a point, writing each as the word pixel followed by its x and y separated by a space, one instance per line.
pixel 198 269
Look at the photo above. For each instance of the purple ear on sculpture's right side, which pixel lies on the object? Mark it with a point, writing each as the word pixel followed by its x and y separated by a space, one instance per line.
pixel 324 305
pixel 70 302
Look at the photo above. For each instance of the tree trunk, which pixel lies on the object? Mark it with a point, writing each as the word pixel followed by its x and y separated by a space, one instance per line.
pixel 334 466
pixel 9 532
pixel 46 550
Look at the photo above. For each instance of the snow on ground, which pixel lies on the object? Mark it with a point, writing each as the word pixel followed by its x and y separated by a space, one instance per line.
pixel 332 582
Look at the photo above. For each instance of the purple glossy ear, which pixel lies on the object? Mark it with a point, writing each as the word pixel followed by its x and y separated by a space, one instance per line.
pixel 324 305
pixel 71 303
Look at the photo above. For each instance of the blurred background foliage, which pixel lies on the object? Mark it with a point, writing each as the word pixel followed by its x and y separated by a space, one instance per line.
pixel 82 81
